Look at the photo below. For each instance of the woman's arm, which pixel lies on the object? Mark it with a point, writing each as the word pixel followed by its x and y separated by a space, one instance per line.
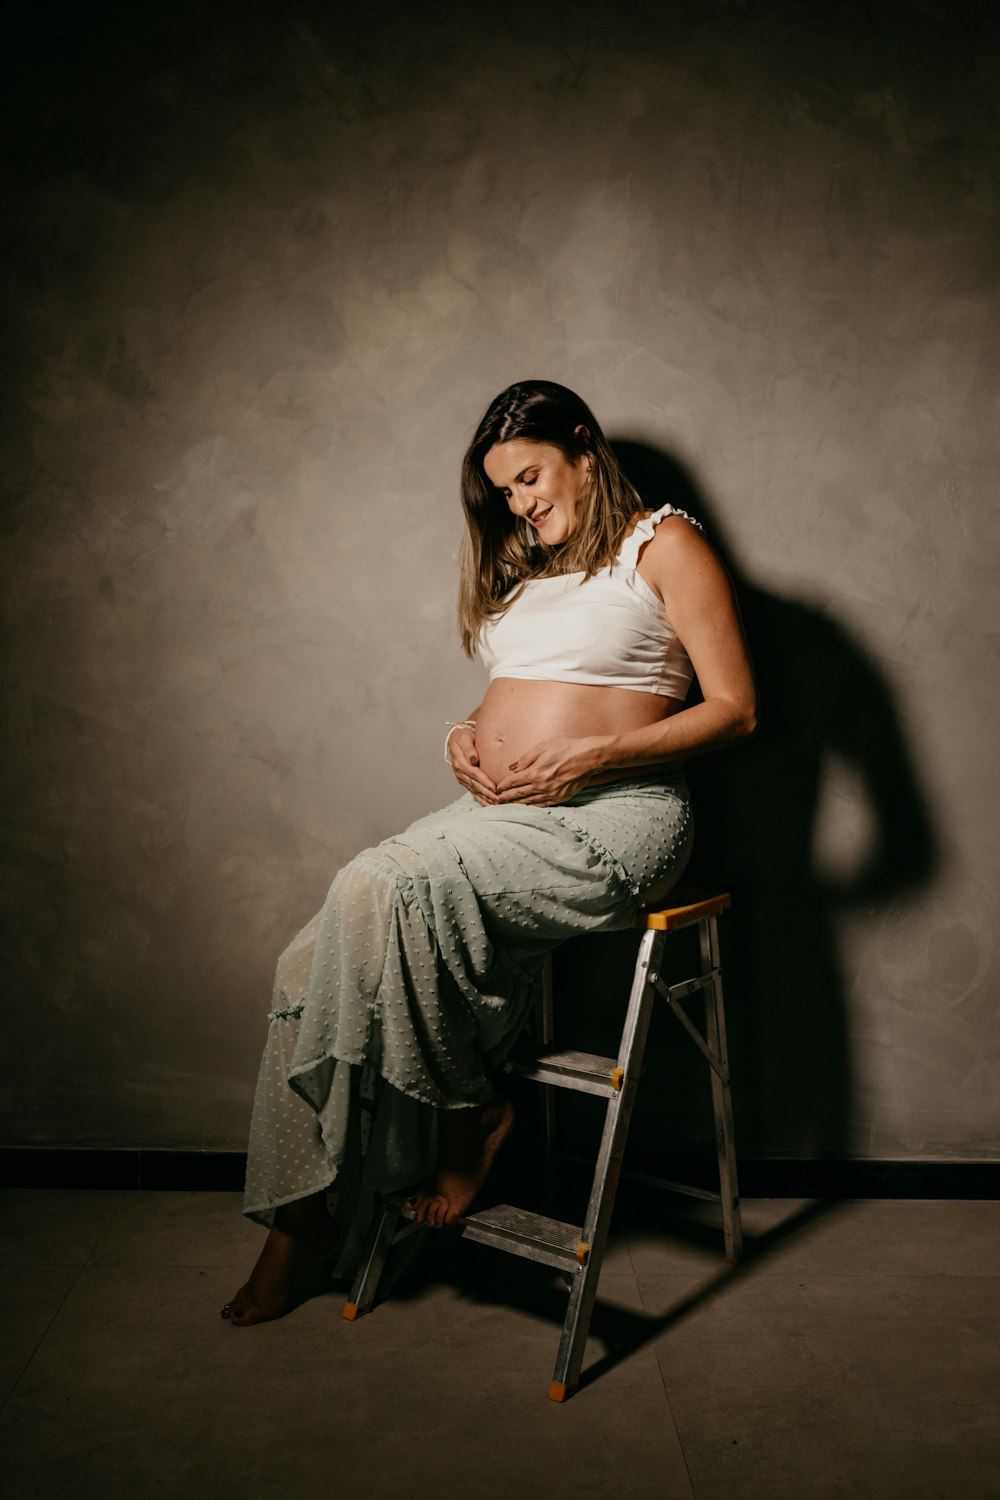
pixel 701 607
pixel 464 758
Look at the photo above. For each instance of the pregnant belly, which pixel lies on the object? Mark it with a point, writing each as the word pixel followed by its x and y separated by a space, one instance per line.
pixel 515 715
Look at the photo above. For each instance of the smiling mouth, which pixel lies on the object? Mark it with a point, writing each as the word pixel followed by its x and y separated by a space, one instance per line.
pixel 540 520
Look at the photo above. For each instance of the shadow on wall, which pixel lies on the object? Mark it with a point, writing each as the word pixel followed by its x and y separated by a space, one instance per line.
pixel 822 701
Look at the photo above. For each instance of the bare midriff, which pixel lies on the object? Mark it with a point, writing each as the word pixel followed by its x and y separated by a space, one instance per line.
pixel 517 714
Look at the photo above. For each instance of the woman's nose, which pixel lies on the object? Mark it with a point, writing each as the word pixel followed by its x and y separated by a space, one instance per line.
pixel 521 503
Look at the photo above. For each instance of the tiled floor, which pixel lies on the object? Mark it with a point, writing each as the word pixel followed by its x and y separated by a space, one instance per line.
pixel 856 1353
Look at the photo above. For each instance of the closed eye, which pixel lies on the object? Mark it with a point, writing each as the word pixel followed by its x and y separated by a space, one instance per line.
pixel 524 479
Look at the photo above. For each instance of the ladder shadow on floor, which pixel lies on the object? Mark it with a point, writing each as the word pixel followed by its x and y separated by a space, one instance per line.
pixel 489 1276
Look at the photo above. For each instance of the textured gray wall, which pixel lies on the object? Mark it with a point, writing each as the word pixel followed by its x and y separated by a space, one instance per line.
pixel 266 274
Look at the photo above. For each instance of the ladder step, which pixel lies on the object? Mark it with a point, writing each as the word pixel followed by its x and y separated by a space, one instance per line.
pixel 517 1231
pixel 530 1235
pixel 584 1071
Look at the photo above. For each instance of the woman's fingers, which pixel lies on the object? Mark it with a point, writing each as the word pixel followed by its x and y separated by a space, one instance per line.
pixel 516 782
pixel 473 778
pixel 481 793
pixel 524 771
pixel 462 745
pixel 525 794
pixel 461 760
pixel 527 759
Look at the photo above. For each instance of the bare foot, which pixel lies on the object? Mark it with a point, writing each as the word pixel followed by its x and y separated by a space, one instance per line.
pixel 302 1236
pixel 249 1306
pixel 468 1143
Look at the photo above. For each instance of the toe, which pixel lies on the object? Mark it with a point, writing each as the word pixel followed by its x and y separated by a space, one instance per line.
pixel 236 1306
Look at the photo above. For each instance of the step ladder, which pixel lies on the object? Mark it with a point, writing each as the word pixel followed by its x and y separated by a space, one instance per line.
pixel 578 1250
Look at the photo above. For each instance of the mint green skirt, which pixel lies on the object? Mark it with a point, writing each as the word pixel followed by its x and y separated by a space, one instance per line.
pixel 411 985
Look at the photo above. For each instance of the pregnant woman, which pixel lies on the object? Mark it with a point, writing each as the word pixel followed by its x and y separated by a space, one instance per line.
pixel 400 999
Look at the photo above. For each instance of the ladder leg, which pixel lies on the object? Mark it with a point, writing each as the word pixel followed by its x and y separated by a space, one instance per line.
pixel 722 1098
pixel 365 1288
pixel 569 1360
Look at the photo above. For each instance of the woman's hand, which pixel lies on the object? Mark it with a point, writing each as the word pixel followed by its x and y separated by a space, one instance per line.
pixel 465 764
pixel 551 771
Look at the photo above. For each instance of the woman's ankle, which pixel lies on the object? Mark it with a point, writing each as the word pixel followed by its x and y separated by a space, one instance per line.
pixel 306 1224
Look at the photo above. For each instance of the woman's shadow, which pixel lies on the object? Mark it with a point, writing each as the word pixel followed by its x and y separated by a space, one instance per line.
pixel 825 708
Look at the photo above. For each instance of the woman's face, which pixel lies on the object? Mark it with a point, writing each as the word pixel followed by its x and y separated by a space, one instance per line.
pixel 540 483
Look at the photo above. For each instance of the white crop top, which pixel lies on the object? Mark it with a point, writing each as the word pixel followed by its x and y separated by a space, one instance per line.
pixel 607 631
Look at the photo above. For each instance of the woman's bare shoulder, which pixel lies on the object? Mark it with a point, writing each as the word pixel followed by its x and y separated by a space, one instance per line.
pixel 677 540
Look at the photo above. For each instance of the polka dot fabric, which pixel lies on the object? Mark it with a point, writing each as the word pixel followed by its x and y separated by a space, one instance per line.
pixel 411 985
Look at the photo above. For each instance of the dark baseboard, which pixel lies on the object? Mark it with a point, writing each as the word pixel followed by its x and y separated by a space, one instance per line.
pixel 191 1171
pixel 222 1171
pixel 854 1178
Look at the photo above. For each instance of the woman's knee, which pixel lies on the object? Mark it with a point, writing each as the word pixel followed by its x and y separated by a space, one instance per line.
pixel 365 880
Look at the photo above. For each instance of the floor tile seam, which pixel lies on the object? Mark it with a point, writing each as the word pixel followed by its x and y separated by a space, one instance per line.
pixel 622 1244
pixel 35 1262
pixel 42 1337
pixel 109 1226
pixel 150 1263
pixel 669 1404
pixel 85 1255
pixel 840 1276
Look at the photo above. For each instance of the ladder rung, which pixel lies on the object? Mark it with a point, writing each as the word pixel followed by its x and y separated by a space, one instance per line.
pixel 686 1189
pixel 530 1235
pixel 584 1071
pixel 687 986
pixel 516 1231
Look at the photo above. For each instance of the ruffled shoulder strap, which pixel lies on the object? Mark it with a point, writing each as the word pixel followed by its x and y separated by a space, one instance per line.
pixel 628 556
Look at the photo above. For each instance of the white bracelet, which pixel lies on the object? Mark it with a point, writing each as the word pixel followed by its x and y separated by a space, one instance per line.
pixel 462 724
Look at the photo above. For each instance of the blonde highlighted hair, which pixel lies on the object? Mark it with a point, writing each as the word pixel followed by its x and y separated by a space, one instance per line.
pixel 501 552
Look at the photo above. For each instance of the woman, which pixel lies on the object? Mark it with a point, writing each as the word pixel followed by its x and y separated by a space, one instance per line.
pixel 394 1005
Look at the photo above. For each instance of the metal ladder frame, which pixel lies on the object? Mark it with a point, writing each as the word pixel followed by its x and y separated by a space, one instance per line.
pixel 580 1252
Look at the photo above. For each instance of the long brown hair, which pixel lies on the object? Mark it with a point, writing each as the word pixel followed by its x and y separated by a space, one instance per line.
pixel 500 551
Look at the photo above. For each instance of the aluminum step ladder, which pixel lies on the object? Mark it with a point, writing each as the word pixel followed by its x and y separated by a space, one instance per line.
pixel 578 1250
